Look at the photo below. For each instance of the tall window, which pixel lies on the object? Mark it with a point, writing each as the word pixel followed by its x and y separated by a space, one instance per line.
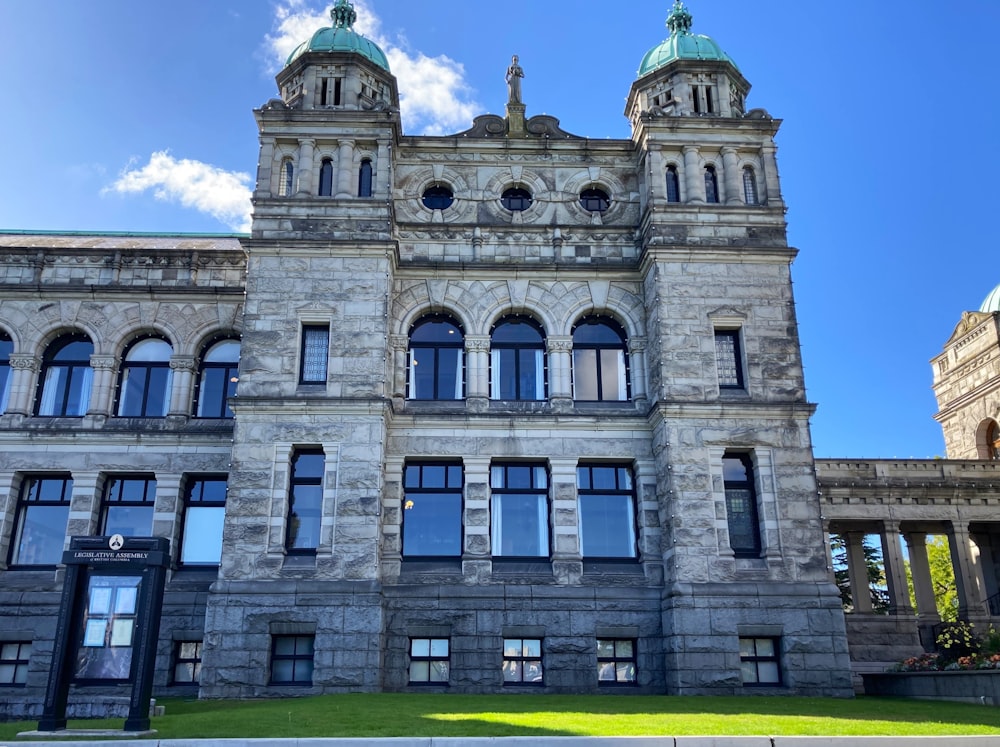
pixel 292 659
pixel 749 186
pixel 217 378
pixel 673 185
pixel 286 178
pixel 204 515
pixel 522 661
pixel 993 441
pixel 599 361
pixel 741 505
pixel 315 353
pixel 437 347
pixel 144 388
pixel 365 178
pixel 66 377
pixel 128 506
pixel 432 510
pixel 728 359
pixel 520 505
pixel 759 663
pixel 305 501
pixel 517 360
pixel 6 349
pixel 14 660
pixel 326 178
pixel 711 185
pixel 615 661
pixel 429 661
pixel 42 514
pixel 607 511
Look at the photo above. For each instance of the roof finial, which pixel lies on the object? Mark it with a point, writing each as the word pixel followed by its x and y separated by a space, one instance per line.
pixel 679 20
pixel 343 15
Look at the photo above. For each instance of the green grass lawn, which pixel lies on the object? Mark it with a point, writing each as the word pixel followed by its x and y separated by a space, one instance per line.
pixel 417 715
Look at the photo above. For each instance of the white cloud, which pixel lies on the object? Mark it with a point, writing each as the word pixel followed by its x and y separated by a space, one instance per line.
pixel 435 97
pixel 225 195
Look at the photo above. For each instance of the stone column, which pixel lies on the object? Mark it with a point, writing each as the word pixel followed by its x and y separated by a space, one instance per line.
pixel 24 370
pixel 168 510
pixel 657 176
pixel 477 385
pixel 771 194
pixel 857 571
pixel 637 367
pixel 346 173
pixel 694 179
pixel 307 177
pixel 399 344
pixel 84 506
pixel 265 167
pixel 102 387
pixel 182 387
pixel 920 569
pixel 968 574
pixel 560 372
pixel 391 562
pixel 477 566
pixel 895 570
pixel 731 176
pixel 567 558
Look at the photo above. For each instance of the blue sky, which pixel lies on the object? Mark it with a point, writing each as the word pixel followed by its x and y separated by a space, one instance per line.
pixel 133 116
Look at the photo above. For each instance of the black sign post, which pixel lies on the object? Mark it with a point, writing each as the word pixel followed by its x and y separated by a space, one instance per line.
pixel 109 622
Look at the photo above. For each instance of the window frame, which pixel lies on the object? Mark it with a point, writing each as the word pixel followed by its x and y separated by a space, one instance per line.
pixel 631 679
pixel 729 366
pixel 673 184
pixel 712 195
pixel 751 193
pixel 17 662
pixel 119 484
pixel 519 662
pixel 326 171
pixel 543 506
pixel 322 343
pixel 449 489
pixel 539 354
pixel 144 369
pixel 180 660
pixel 516 199
pixel 6 370
pixel 624 384
pixel 231 377
pixel 63 389
pixel 366 178
pixel 25 502
pixel 436 346
pixel 595 200
pixel 622 472
pixel 756 660
pixel 315 513
pixel 438 197
pixel 306 659
pixel 286 177
pixel 742 490
pixel 430 659
pixel 194 499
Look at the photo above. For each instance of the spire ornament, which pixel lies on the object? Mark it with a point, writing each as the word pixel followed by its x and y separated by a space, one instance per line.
pixel 679 20
pixel 343 15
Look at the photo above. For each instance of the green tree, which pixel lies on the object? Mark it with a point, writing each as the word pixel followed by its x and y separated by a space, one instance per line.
pixel 942 577
pixel 877 587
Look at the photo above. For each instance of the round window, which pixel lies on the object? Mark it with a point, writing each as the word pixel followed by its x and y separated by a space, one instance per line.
pixel 516 199
pixel 438 197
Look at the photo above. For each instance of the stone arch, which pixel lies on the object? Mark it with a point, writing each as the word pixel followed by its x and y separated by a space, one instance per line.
pixel 988 439
pixel 11 330
pixel 621 305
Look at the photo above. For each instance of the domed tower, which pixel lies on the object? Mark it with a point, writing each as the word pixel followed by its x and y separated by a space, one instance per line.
pixel 967 384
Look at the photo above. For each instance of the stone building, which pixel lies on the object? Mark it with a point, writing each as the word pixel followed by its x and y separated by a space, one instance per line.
pixel 506 410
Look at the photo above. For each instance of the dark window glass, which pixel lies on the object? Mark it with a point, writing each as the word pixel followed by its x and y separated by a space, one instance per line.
pixel 429 661
pixel 187 663
pixel 6 350
pixel 218 375
pixel 365 179
pixel 204 514
pixel 437 352
pixel 517 360
pixel 145 379
pixel 305 501
pixel 711 185
pixel 315 353
pixel 749 186
pixel 673 185
pixel 42 515
pixel 516 199
pixel 66 378
pixel 600 371
pixel 607 511
pixel 615 661
pixel 520 510
pixel 522 661
pixel 993 441
pixel 741 505
pixel 292 659
pixel 432 510
pixel 438 197
pixel 286 181
pixel 728 359
pixel 128 506
pixel 14 659
pixel 595 200
pixel 326 178
pixel 759 663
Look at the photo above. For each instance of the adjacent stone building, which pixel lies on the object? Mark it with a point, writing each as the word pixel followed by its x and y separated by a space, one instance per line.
pixel 506 410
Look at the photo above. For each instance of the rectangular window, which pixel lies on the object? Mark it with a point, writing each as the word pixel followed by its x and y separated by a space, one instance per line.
pixel 759 663
pixel 429 661
pixel 520 520
pixel 187 663
pixel 292 659
pixel 14 657
pixel 305 501
pixel 204 515
pixel 606 495
pixel 522 661
pixel 741 505
pixel 615 661
pixel 111 613
pixel 315 353
pixel 432 510
pixel 128 506
pixel 728 358
pixel 42 515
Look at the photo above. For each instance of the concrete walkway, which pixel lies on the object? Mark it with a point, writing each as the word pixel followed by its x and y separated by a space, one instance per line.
pixel 993 741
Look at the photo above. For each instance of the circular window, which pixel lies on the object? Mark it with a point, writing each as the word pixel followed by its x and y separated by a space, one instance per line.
pixel 516 199
pixel 438 197
pixel 595 200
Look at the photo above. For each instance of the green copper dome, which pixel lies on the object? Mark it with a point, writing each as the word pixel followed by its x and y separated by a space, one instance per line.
pixel 341 37
pixel 992 302
pixel 682 44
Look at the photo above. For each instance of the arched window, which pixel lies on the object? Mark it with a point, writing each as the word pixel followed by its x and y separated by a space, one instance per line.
pixel 66 378
pixel 286 178
pixel 749 186
pixel 741 504
pixel 437 346
pixel 217 378
pixel 993 441
pixel 517 360
pixel 516 199
pixel 595 200
pixel 673 185
pixel 711 185
pixel 6 349
pixel 365 178
pixel 144 388
pixel 326 178
pixel 600 369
